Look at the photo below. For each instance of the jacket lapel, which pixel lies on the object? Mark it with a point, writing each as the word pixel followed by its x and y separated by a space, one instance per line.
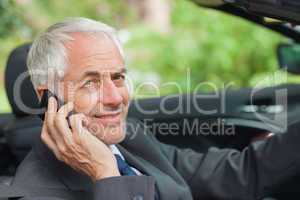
pixel 143 153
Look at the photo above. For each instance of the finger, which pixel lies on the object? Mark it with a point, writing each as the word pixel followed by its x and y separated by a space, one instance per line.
pixel 66 109
pixel 51 112
pixel 45 127
pixel 61 122
pixel 74 129
pixel 76 122
pixel 84 132
pixel 52 105
pixel 50 121
pixel 46 138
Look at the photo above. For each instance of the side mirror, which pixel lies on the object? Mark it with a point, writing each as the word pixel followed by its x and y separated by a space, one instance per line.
pixel 289 57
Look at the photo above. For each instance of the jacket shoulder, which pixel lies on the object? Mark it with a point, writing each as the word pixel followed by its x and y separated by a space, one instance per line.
pixel 34 172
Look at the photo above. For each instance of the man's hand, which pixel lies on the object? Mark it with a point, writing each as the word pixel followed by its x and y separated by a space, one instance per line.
pixel 77 147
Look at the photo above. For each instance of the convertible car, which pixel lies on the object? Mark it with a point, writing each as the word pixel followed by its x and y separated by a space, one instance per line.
pixel 253 113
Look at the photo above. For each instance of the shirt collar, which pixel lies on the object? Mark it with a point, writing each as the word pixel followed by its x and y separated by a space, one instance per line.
pixel 116 151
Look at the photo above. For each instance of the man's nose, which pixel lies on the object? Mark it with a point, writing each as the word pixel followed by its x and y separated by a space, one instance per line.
pixel 110 94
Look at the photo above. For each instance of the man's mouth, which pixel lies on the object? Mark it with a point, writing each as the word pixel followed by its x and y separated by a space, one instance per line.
pixel 108 118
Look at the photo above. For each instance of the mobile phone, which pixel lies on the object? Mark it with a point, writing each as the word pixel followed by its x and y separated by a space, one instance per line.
pixel 44 104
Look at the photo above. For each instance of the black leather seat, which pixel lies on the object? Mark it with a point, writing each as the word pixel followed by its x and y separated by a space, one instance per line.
pixel 24 128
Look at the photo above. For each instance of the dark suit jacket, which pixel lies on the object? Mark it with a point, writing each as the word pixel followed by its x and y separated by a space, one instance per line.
pixel 169 173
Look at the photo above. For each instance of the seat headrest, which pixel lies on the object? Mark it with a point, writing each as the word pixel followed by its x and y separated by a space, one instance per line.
pixel 21 94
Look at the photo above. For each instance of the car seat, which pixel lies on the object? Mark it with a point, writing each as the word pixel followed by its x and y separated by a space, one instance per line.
pixel 24 127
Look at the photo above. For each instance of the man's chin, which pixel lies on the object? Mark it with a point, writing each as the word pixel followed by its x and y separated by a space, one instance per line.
pixel 113 140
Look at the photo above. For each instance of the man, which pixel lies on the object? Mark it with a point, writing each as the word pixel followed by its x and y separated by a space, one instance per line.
pixel 89 154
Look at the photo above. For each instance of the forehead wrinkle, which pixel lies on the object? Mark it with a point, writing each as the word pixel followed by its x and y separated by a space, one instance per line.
pixel 100 56
pixel 89 60
pixel 85 39
pixel 93 54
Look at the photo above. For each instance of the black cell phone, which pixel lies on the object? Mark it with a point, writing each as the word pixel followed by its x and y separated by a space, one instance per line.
pixel 44 104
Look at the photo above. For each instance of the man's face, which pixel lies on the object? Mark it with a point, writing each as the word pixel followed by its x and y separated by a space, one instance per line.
pixel 95 81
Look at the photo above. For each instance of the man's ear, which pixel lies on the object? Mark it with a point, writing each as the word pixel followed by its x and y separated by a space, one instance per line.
pixel 40 91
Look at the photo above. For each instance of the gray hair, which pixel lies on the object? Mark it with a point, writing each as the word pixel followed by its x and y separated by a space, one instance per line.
pixel 49 53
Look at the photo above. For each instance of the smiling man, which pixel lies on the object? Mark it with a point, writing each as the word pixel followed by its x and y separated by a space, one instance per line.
pixel 89 154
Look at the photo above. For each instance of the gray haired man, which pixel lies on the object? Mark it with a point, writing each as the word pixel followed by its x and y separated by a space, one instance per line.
pixel 89 156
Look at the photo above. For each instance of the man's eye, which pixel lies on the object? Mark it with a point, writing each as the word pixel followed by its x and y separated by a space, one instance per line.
pixel 90 83
pixel 119 80
pixel 87 83
pixel 118 76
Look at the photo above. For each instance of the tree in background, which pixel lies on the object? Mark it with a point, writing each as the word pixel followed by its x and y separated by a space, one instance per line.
pixel 155 13
pixel 162 39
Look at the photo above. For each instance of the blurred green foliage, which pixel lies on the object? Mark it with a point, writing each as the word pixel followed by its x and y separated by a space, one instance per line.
pixel 214 47
pixel 9 22
pixel 203 45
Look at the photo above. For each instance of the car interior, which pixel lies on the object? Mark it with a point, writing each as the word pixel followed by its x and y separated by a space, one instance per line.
pixel 244 111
